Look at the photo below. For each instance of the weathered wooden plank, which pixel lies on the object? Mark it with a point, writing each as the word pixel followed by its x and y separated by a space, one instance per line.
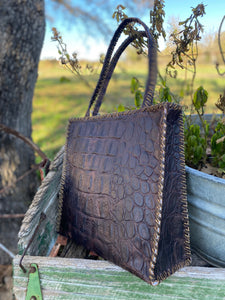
pixel 46 201
pixel 89 279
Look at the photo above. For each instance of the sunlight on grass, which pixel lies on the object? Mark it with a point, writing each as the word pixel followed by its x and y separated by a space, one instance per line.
pixel 55 102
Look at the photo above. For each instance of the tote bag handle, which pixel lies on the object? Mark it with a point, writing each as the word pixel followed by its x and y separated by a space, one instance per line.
pixel 111 68
pixel 109 65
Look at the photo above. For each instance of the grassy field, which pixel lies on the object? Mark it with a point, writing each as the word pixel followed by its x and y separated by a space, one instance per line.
pixel 55 100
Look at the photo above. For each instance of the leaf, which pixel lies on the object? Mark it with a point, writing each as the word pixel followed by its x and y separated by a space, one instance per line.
pixel 134 85
pixel 138 99
pixel 182 93
pixel 163 81
pixel 192 140
pixel 200 98
pixel 181 23
pixel 122 7
pixel 206 127
pixel 196 130
pixel 180 59
pixel 223 158
pixel 198 152
pixel 167 94
pixel 120 108
pixel 164 94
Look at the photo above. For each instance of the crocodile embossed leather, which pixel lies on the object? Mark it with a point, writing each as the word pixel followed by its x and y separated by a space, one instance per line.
pixel 123 191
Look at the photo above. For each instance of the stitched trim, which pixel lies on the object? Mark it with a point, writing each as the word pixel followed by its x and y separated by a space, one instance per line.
pixel 62 184
pixel 187 250
pixel 156 235
pixel 184 195
pixel 124 114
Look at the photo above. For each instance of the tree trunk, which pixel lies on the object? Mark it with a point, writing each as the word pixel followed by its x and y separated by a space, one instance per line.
pixel 22 27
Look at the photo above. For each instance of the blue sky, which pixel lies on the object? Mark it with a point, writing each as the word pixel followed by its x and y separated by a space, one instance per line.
pixel 88 48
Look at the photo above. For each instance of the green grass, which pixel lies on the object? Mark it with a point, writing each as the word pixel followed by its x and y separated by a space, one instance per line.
pixel 207 77
pixel 55 102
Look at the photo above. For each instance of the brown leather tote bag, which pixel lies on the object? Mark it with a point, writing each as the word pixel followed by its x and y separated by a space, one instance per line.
pixel 123 188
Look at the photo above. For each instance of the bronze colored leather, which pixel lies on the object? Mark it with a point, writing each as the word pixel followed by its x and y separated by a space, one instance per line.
pixel 123 192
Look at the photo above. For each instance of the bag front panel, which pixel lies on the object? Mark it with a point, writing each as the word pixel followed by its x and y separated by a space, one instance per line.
pixel 110 191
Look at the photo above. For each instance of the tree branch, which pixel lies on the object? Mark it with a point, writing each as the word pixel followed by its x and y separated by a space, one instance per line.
pixel 25 139
pixel 220 48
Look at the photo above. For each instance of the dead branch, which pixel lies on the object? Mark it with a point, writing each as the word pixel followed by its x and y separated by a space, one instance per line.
pixel 25 139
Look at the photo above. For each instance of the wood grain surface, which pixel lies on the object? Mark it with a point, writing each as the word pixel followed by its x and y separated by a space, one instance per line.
pixel 68 278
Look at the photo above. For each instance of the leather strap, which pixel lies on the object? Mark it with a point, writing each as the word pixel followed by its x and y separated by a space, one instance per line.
pixel 111 68
pixel 152 62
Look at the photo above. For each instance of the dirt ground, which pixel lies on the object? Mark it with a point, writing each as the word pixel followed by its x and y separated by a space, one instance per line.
pixel 6 282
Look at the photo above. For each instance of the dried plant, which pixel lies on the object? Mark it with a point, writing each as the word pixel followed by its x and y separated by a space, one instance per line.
pixel 220 48
pixel 156 19
pixel 71 62
pixel 185 53
pixel 220 104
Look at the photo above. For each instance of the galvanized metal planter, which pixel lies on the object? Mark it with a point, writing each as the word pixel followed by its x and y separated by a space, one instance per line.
pixel 206 200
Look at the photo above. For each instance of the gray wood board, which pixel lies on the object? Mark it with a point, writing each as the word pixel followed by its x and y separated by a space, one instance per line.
pixel 71 278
